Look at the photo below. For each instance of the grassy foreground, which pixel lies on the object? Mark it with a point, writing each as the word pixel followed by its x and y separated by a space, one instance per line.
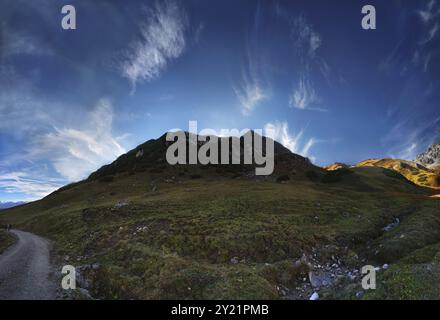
pixel 6 240
pixel 175 235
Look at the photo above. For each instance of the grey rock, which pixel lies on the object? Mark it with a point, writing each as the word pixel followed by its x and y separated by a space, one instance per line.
pixel 120 204
pixel 234 260
pixel 392 225
pixel 314 296
pixel 320 279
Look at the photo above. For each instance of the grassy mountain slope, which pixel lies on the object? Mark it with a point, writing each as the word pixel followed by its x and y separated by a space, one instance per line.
pixel 412 171
pixel 193 232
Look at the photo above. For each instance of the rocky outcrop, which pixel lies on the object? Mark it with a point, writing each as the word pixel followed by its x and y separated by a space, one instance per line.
pixel 431 157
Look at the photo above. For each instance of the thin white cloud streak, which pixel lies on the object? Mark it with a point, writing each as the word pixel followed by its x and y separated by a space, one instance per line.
pixel 254 87
pixel 307 40
pixel 409 152
pixel 429 12
pixel 162 40
pixel 407 139
pixel 250 94
pixel 432 32
pixel 252 90
pixel 27 183
pixel 424 54
pixel 422 51
pixel 279 131
pixel 310 143
pixel 304 95
pixel 198 33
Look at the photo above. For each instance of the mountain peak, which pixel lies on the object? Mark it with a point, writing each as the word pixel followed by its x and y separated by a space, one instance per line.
pixel 152 154
pixel 431 157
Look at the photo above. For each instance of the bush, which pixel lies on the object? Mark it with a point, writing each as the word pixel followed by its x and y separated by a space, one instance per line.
pixel 393 174
pixel 335 175
pixel 285 272
pixel 195 176
pixel 312 175
pixel 106 179
pixel 282 178
pixel 157 170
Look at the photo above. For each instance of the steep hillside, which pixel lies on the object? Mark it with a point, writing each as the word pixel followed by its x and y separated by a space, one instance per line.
pixel 414 172
pixel 142 229
pixel 151 157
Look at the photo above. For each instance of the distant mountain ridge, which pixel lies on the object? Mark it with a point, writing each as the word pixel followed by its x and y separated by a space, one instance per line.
pixel 10 204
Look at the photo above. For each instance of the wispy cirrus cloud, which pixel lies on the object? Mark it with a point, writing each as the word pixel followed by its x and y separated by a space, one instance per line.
pixel 75 153
pixel 162 39
pixel 409 137
pixel 431 34
pixel 50 149
pixel 198 32
pixel 409 152
pixel 414 126
pixel 32 184
pixel 251 92
pixel 429 12
pixel 254 87
pixel 279 131
pixel 423 51
pixel 306 43
pixel 304 96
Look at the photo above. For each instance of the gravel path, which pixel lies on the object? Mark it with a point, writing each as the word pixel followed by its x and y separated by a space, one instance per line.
pixel 25 268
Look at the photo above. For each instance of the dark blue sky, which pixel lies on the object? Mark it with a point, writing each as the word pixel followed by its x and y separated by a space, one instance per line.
pixel 73 100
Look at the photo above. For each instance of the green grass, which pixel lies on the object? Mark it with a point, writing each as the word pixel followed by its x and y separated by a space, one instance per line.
pixel 177 241
pixel 6 240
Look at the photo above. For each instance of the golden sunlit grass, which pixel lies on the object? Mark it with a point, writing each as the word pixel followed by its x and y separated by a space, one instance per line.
pixel 415 173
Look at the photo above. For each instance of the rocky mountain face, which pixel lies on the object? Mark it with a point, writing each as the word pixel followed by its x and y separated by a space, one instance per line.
pixel 431 157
